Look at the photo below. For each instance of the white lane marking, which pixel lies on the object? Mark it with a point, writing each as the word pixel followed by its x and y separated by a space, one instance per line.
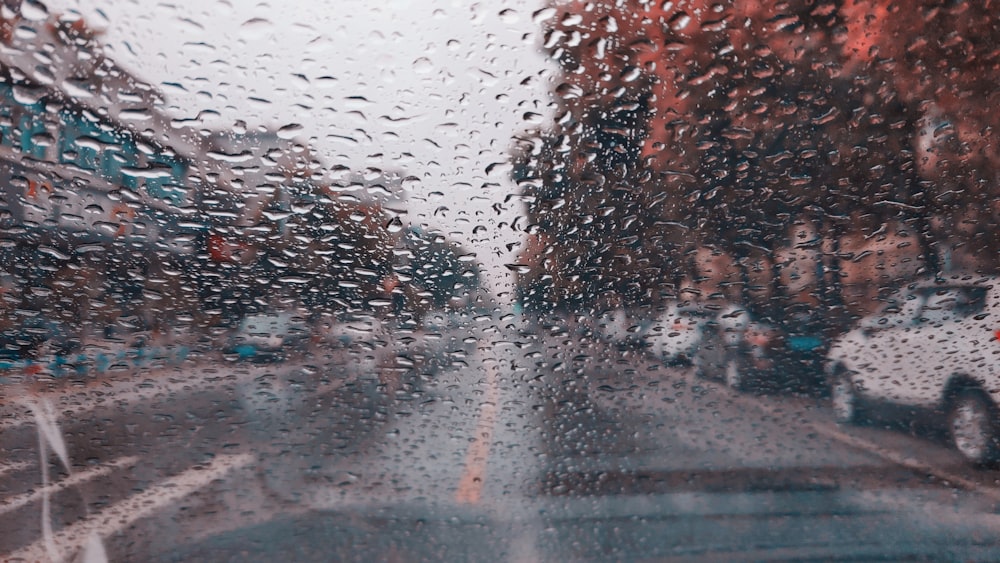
pixel 886 454
pixel 121 515
pixel 13 466
pixel 13 503
pixel 47 421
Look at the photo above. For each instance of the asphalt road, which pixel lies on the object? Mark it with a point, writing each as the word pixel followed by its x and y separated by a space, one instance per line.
pixel 513 445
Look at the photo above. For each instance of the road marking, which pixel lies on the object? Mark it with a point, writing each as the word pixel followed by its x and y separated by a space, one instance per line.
pixel 888 455
pixel 121 515
pixel 13 503
pixel 470 485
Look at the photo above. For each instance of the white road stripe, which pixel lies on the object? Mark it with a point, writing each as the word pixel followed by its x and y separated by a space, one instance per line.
pixel 71 539
pixel 13 503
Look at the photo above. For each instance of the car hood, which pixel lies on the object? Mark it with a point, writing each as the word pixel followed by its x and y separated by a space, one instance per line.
pixel 829 525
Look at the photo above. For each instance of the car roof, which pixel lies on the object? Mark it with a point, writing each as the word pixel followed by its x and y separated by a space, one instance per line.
pixel 955 279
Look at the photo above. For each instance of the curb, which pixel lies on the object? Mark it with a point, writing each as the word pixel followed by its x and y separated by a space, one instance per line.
pixel 101 362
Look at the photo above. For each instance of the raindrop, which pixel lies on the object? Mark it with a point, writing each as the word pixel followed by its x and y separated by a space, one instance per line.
pixel 255 29
pixel 543 15
pixel 289 131
pixel 422 65
pixel 35 11
pixel 532 117
pixel 680 21
pixel 509 16
pixel 572 19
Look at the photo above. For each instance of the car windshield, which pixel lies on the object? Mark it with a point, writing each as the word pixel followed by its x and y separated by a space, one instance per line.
pixel 528 280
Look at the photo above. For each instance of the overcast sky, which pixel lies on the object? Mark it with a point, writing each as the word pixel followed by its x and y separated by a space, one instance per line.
pixel 436 89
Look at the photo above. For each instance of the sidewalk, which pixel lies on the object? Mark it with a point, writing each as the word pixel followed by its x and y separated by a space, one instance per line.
pixel 145 381
pixel 100 376
pixel 74 393
pixel 94 358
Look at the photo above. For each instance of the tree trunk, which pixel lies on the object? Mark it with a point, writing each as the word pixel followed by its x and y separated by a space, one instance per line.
pixel 779 293
pixel 745 295
pixel 926 241
pixel 834 307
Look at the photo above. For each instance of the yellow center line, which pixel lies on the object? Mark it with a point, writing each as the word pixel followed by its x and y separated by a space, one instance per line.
pixel 470 485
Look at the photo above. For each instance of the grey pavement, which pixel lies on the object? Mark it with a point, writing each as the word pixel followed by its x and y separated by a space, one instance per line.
pixel 528 447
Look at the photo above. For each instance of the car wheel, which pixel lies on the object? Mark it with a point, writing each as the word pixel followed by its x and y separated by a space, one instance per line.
pixel 705 363
pixel 972 426
pixel 844 399
pixel 670 358
pixel 733 374
pixel 698 363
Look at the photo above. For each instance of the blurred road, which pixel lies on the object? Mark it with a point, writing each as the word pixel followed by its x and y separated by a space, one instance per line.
pixel 516 445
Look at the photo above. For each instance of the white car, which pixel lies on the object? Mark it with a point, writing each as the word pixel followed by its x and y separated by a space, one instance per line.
pixel 268 335
pixel 933 350
pixel 730 345
pixel 622 327
pixel 676 335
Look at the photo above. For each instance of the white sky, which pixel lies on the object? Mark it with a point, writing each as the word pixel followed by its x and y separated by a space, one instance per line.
pixel 430 88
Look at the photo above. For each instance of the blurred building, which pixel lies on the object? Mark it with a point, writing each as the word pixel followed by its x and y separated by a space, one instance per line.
pixel 134 219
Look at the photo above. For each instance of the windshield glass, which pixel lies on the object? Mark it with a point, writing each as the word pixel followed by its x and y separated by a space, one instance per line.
pixel 536 280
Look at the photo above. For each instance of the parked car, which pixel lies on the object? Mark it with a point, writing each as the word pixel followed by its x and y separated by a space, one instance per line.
pixel 677 334
pixel 931 352
pixel 445 336
pixel 270 335
pixel 624 328
pixel 729 342
pixel 770 355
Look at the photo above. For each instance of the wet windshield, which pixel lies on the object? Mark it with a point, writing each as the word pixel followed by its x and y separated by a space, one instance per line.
pixel 538 280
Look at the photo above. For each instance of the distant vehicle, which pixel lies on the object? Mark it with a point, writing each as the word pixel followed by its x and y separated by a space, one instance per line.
pixel 441 274
pixel 446 339
pixel 344 329
pixel 676 335
pixel 270 335
pixel 729 344
pixel 750 353
pixel 930 351
pixel 624 328
pixel 358 333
